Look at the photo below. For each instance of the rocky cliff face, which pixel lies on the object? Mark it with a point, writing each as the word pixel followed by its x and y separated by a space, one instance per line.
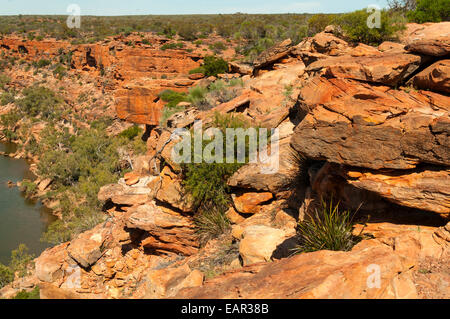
pixel 136 73
pixel 367 125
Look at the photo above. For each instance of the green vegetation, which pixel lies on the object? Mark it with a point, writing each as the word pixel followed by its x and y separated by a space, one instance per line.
pixel 329 228
pixel 4 79
pixel 40 101
pixel 243 27
pixel 207 183
pixel 79 166
pixel 6 98
pixel 28 187
pixel 6 275
pixel 131 132
pixel 318 22
pixel 218 47
pixel 203 98
pixel 430 11
pixel 355 26
pixel 212 66
pixel 172 98
pixel 33 294
pixel 20 260
pixel 172 46
pixel 78 163
pixel 41 63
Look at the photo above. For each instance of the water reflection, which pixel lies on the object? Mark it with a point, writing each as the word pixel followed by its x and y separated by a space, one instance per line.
pixel 21 220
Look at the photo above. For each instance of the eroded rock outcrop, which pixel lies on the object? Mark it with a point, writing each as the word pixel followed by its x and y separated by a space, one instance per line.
pixel 347 126
pixel 430 39
pixel 360 125
pixel 322 274
pixel 434 78
pixel 165 230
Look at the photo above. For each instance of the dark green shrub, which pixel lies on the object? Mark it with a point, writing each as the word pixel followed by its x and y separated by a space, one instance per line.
pixel 79 166
pixel 207 183
pixel 430 11
pixel 39 100
pixel 6 275
pixel 172 97
pixel 218 47
pixel 172 46
pixel 318 22
pixel 328 229
pixel 20 259
pixel 33 294
pixel 41 63
pixel 355 26
pixel 28 187
pixel 4 79
pixel 131 132
pixel 59 71
pixel 212 66
pixel 6 98
pixel 187 31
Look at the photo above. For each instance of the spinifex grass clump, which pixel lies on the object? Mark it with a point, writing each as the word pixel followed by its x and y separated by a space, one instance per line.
pixel 329 229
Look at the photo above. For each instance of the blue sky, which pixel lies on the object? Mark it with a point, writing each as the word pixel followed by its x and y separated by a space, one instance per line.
pixel 128 7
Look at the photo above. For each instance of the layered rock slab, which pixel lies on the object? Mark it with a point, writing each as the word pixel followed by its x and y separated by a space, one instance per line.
pixel 423 189
pixel 430 39
pixel 166 230
pixel 322 274
pixel 434 78
pixel 375 127
pixel 388 68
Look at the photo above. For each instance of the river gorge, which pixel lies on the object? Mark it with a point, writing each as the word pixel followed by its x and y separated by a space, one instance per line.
pixel 22 220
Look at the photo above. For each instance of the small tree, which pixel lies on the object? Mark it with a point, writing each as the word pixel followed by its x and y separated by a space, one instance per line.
pixel 430 11
pixel 356 28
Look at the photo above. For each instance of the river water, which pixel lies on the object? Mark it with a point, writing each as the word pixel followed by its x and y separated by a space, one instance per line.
pixel 21 220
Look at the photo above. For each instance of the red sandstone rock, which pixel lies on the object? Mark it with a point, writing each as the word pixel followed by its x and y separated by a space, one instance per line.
pixel 390 69
pixel 322 274
pixel 429 39
pixel 434 78
pixel 360 125
pixel 248 203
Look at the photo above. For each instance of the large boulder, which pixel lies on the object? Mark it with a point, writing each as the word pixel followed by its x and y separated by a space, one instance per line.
pixel 250 203
pixel 49 265
pixel 273 54
pixel 434 78
pixel 259 176
pixel 376 127
pixel 169 189
pixel 165 283
pixel 425 189
pixel 322 43
pixel 430 39
pixel 389 68
pixel 122 194
pixel 259 242
pixel 89 246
